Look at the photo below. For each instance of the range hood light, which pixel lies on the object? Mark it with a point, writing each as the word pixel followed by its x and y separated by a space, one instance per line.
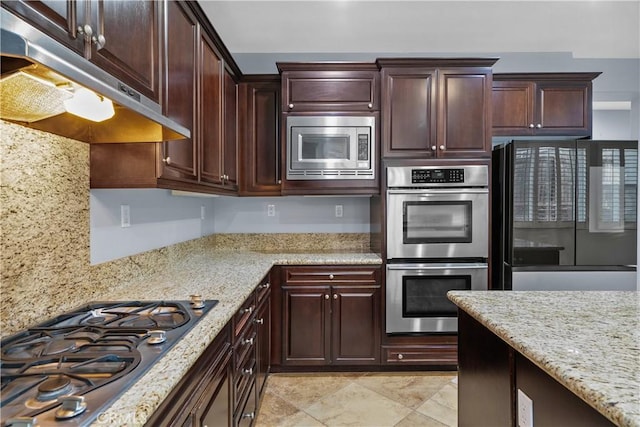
pixel 89 105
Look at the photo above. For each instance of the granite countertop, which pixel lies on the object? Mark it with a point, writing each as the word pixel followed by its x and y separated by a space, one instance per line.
pixel 588 341
pixel 228 276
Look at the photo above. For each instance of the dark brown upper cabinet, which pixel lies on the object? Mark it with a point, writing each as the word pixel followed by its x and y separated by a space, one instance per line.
pixel 121 37
pixel 436 108
pixel 530 104
pixel 330 87
pixel 259 135
pixel 200 93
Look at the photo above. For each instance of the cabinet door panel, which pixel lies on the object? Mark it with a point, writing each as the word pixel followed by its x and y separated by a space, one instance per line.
pixel 260 146
pixel 230 150
pixel 512 107
pixel 180 99
pixel 563 108
pixel 131 52
pixel 306 325
pixel 59 19
pixel 464 126
pixel 356 325
pixel 210 112
pixel 409 126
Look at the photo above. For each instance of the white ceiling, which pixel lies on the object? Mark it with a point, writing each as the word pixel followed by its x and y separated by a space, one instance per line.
pixel 583 29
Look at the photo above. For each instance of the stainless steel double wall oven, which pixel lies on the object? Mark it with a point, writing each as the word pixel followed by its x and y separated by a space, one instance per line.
pixel 437 240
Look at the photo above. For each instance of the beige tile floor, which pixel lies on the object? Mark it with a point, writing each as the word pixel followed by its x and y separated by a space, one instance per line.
pixel 404 399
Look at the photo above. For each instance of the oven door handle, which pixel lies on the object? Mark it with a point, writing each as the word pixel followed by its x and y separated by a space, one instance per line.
pixel 437 191
pixel 438 266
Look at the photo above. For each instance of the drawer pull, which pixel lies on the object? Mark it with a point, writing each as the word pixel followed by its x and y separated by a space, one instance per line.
pixel 248 341
pixel 259 321
pixel 335 296
pixel 326 296
pixel 400 356
pixel 265 285
pixel 331 276
pixel 247 310
pixel 250 415
pixel 247 372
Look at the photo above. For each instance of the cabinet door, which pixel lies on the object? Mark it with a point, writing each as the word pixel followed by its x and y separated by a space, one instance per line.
pixel 230 131
pixel 179 157
pixel 563 108
pixel 131 47
pixel 214 406
pixel 307 325
pixel 260 147
pixel 464 112
pixel 59 19
pixel 513 108
pixel 356 325
pixel 210 96
pixel 263 353
pixel 409 112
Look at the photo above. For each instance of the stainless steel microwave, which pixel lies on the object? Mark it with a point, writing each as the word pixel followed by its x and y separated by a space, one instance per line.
pixel 330 147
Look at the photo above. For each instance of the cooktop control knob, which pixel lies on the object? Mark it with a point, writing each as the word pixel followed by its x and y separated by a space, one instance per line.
pixel 197 302
pixel 157 337
pixel 22 422
pixel 71 407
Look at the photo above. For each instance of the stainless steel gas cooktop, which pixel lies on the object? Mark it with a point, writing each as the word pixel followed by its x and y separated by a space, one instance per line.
pixel 71 368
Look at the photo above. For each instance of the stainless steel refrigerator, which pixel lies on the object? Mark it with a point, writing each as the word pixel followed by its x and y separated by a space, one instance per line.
pixel 564 215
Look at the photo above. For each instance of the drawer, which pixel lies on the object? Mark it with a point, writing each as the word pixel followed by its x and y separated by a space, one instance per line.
pixel 246 414
pixel 437 354
pixel 245 377
pixel 242 317
pixel 327 275
pixel 245 345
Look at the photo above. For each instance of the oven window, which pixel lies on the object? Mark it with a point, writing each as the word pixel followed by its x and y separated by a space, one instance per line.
pixel 426 296
pixel 437 222
pixel 324 147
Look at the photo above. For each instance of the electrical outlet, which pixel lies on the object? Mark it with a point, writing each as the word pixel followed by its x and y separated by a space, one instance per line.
pixel 271 210
pixel 202 212
pixel 125 216
pixel 525 410
pixel 338 211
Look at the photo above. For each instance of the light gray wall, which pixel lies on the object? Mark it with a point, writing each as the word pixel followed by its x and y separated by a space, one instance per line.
pixel 292 215
pixel 158 219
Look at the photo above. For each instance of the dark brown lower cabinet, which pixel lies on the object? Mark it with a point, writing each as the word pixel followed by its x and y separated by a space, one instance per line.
pixel 203 395
pixel 330 316
pixel 491 372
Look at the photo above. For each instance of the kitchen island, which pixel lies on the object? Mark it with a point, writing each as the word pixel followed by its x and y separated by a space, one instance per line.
pixel 225 275
pixel 576 354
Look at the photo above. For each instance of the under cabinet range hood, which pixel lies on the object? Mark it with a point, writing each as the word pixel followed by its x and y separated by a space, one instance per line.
pixel 39 75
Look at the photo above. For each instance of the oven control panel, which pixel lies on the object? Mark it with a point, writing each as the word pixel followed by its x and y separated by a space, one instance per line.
pixel 437 176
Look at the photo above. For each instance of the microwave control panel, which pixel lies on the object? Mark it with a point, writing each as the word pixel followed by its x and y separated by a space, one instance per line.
pixel 437 176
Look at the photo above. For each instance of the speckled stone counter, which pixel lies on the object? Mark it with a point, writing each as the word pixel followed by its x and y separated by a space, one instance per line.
pixel 228 276
pixel 588 341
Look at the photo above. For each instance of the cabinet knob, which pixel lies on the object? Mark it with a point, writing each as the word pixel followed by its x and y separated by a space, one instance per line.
pixel 265 285
pixel 279 181
pixel 531 126
pixel 434 148
pixel 248 310
pixel 247 372
pixel 400 356
pixel 370 105
pixel 335 296
pixel 99 41
pixel 326 296
pixel 331 276
pixel 250 415
pixel 259 321
pixel 291 106
pixel 442 147
pixel 248 341
pixel 86 30
pixel 167 160
pixel 539 126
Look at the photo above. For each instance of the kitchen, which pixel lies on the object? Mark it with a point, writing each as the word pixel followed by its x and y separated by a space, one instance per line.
pixel 73 230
